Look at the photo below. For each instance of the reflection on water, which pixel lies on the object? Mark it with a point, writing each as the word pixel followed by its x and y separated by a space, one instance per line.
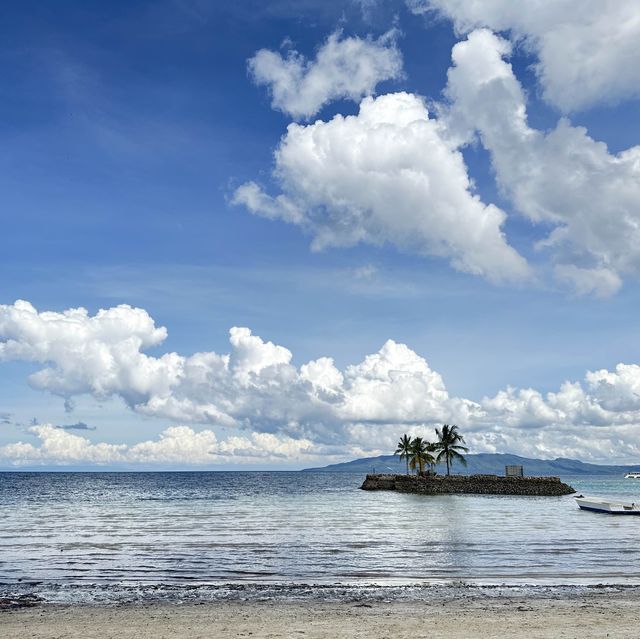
pixel 147 528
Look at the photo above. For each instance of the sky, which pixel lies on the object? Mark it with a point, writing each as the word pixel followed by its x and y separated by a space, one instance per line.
pixel 281 234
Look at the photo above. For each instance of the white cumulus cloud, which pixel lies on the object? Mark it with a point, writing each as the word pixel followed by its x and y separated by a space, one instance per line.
pixel 588 52
pixel 343 68
pixel 562 178
pixel 255 385
pixel 386 175
pixel 178 445
pixel 285 411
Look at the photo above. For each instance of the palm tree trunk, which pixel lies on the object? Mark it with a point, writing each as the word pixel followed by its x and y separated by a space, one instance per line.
pixel 447 458
pixel 407 465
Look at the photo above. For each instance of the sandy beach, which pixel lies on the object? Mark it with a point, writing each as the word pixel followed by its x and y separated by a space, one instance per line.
pixel 591 615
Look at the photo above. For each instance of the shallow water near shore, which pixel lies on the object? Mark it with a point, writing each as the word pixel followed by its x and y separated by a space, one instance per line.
pixel 140 534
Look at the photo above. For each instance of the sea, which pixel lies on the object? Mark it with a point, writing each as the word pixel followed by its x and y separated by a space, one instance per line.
pixel 109 537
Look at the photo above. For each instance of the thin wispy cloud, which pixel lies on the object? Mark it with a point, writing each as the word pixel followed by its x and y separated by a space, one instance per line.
pixel 76 426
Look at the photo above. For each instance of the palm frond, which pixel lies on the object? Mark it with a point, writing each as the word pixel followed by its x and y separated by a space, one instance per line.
pixel 458 447
pixel 459 457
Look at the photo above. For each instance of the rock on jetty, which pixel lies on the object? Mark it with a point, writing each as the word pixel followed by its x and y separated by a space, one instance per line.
pixel 469 484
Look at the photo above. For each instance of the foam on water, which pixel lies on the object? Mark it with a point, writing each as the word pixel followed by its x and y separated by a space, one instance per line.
pixel 111 594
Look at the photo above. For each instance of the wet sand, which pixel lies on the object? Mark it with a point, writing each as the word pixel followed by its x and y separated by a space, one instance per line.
pixel 600 614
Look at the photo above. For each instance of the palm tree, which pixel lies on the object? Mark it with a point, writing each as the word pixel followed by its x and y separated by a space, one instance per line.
pixel 404 449
pixel 420 454
pixel 450 443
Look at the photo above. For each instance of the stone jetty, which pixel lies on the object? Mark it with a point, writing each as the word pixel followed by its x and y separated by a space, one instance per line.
pixel 469 484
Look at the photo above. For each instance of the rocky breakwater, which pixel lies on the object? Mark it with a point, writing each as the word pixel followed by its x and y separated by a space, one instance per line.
pixel 469 484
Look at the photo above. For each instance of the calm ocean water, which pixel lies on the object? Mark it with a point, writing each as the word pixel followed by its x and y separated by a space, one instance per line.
pixel 143 529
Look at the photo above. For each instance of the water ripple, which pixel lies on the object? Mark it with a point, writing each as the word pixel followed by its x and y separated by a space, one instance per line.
pixel 208 528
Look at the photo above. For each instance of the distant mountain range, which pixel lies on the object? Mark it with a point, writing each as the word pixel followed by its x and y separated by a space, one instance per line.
pixel 484 463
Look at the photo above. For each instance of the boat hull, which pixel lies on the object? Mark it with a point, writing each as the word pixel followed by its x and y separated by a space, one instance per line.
pixel 597 505
pixel 610 512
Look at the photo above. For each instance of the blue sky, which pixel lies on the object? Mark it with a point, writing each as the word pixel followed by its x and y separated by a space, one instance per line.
pixel 127 128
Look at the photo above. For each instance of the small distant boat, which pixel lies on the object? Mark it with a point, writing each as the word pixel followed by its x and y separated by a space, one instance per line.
pixel 605 506
pixel 634 475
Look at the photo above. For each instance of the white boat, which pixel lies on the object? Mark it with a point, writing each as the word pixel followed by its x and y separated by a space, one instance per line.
pixel 599 505
pixel 632 475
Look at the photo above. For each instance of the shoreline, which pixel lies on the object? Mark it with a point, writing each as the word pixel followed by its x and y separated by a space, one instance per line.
pixel 14 596
pixel 593 613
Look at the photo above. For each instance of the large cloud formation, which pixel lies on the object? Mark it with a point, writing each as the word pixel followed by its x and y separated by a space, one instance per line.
pixel 255 385
pixel 344 68
pixel 386 175
pixel 588 52
pixel 288 411
pixel 394 174
pixel 563 178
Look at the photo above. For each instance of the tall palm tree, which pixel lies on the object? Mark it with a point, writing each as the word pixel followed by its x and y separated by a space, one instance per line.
pixel 420 454
pixel 450 443
pixel 404 449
